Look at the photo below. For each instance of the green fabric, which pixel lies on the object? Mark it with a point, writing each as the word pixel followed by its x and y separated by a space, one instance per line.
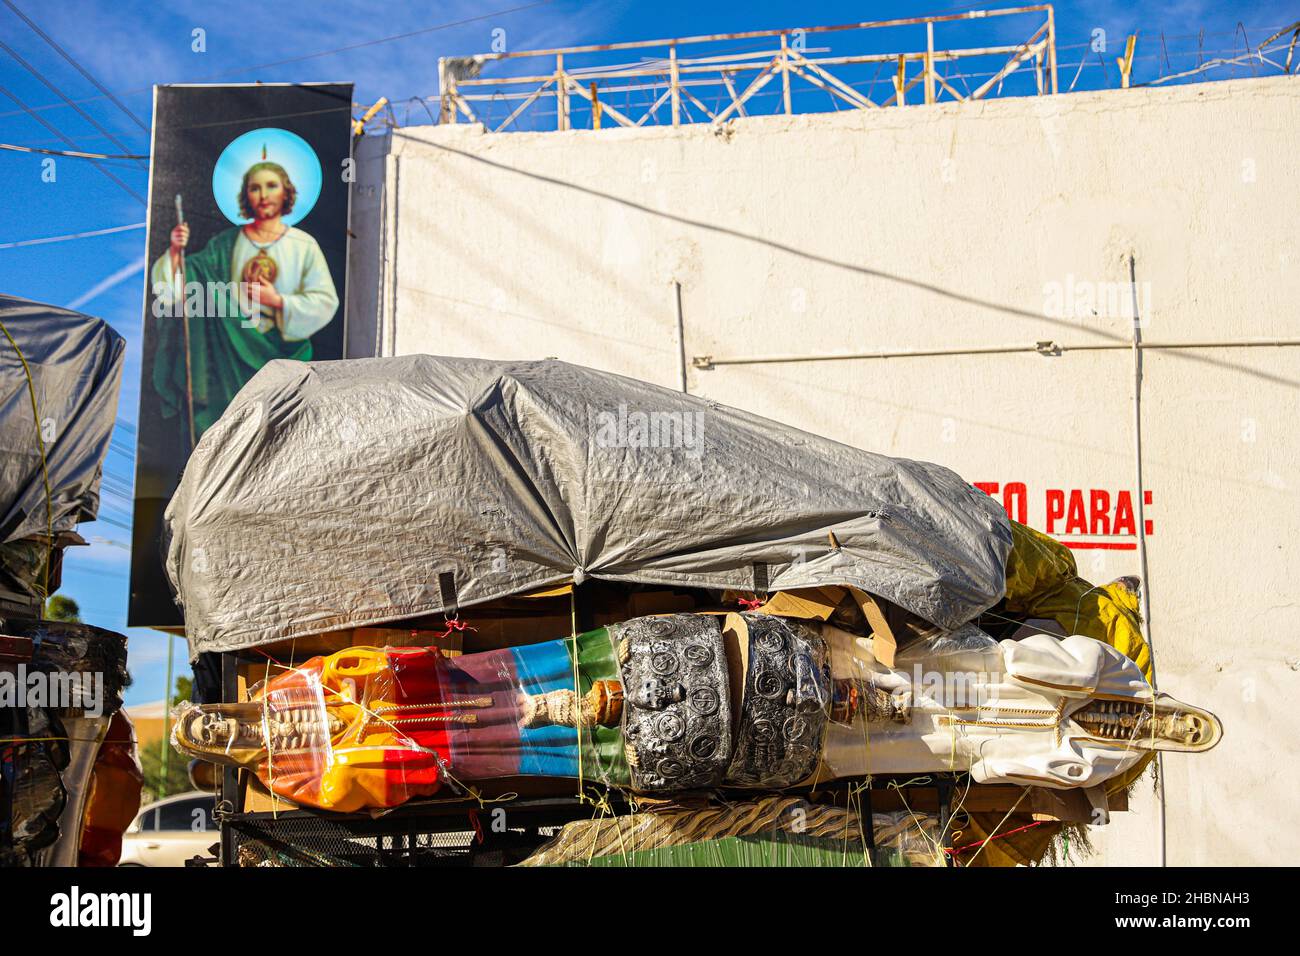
pixel 603 757
pixel 769 849
pixel 223 353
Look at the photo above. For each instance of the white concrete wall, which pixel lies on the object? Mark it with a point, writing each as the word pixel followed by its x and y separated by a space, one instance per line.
pixel 936 228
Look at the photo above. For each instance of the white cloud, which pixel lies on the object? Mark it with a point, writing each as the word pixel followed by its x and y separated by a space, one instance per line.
pixel 108 282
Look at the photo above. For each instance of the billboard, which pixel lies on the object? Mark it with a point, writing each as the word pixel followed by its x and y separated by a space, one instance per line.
pixel 246 263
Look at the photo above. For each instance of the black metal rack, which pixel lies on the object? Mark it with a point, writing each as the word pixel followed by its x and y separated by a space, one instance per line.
pixel 441 832
pixel 445 833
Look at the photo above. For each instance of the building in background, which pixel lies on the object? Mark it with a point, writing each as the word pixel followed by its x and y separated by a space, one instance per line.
pixel 957 282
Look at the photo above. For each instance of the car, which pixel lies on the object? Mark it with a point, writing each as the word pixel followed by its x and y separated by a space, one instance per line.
pixel 170 831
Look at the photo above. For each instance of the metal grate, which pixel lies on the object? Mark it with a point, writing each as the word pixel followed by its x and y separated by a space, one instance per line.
pixel 303 839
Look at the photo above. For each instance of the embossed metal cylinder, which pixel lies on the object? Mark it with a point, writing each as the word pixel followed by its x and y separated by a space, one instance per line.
pixel 786 704
pixel 677 702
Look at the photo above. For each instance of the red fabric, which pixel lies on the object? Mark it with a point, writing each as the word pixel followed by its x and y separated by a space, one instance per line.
pixel 116 782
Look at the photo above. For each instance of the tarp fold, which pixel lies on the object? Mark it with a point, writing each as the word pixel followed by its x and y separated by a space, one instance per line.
pixel 335 494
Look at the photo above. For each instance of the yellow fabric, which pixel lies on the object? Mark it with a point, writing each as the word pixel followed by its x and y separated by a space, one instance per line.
pixel 1043 581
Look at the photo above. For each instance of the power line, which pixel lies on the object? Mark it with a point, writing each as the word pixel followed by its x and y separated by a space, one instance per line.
pixel 76 66
pixel 59 93
pixel 40 119
pixel 80 154
pixel 76 154
pixel 388 39
pixel 81 137
pixel 310 56
pixel 116 524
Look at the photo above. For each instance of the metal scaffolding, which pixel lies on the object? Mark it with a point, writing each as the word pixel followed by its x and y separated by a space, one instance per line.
pixel 680 71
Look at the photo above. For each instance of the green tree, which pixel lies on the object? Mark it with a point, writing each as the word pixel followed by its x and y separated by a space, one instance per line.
pixel 60 607
pixel 177 779
pixel 155 785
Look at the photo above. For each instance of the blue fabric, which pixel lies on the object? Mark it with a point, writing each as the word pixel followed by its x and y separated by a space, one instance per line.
pixel 546 751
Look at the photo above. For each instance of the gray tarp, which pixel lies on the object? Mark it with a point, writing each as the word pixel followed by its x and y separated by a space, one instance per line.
pixel 76 367
pixel 336 494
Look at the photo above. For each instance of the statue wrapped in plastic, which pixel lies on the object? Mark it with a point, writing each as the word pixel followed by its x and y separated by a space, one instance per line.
pixel 690 702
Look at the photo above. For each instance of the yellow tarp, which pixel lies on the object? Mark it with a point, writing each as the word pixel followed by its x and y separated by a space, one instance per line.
pixel 1043 581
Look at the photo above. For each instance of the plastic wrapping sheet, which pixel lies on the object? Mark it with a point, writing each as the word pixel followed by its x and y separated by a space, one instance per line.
pixel 84 737
pixel 114 796
pixel 76 366
pixel 689 702
pixel 83 665
pixel 342 494
pixel 897 721
pixel 645 705
pixel 34 793
pixel 1044 711
pixel 786 702
pixel 373 728
pixel 53 711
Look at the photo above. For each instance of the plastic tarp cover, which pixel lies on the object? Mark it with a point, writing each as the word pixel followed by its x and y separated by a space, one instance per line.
pixel 342 494
pixel 76 367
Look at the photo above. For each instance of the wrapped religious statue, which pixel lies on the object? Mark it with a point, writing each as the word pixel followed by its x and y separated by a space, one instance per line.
pixel 695 701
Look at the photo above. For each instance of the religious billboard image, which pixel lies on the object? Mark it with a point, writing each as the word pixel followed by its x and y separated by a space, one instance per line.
pixel 247 250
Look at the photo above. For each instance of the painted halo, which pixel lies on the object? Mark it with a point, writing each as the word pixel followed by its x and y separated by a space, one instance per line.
pixel 288 149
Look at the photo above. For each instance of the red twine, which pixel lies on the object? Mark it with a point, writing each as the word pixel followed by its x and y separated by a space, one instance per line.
pixel 953 851
pixel 454 624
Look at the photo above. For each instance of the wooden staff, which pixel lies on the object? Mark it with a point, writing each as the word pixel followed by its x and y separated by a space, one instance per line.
pixel 185 311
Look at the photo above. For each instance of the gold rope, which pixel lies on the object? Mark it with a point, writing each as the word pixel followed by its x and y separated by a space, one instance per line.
pixel 45 471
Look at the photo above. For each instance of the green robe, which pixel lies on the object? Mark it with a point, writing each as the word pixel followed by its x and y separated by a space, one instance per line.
pixel 223 353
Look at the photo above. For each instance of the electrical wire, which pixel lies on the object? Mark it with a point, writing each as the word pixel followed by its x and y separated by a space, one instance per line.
pixel 44 122
pixel 60 94
pixel 73 153
pixel 311 56
pixel 76 66
pixel 116 524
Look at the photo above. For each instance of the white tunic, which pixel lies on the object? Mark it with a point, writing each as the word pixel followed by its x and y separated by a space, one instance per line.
pixel 303 280
pixel 1007 721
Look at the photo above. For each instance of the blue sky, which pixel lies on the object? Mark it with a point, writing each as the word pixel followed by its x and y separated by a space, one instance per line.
pixel 129 45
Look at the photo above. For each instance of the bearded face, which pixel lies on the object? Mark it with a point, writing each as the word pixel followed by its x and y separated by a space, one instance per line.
pixel 266 192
